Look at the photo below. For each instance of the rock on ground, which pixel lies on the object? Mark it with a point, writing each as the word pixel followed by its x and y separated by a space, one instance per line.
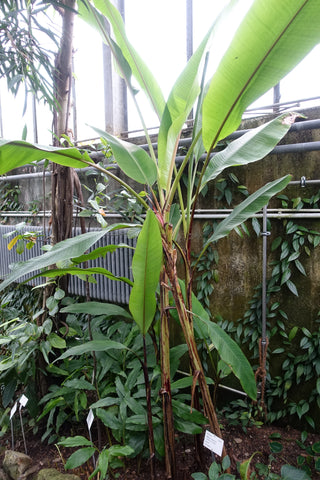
pixel 18 466
pixel 15 464
pixel 52 474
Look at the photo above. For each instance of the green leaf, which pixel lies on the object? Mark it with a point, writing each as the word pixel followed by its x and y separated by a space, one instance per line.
pixel 180 102
pixel 291 473
pixel 59 252
pixel 227 476
pixel 276 447
pixel 79 457
pixel 132 159
pixel 257 58
pixel 245 468
pixel 199 476
pixel 316 447
pixel 105 402
pixel 103 462
pixel 109 419
pixel 187 427
pixel 247 208
pixel 230 353
pixel 93 346
pixel 82 273
pixel 79 384
pixel 292 287
pixel 300 267
pixel 146 265
pixel 293 333
pixel 77 441
pixel 120 451
pixel 285 276
pixel 56 341
pixel 14 154
pixel 252 146
pixel 97 308
pixel 187 382
pixel 275 244
pixel 99 252
pixel 293 256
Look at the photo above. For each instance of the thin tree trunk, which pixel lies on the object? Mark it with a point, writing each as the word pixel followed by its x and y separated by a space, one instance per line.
pixel 62 178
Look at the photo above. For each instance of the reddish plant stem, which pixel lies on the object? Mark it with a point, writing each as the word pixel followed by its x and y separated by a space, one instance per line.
pixel 165 391
pixel 186 323
pixel 149 411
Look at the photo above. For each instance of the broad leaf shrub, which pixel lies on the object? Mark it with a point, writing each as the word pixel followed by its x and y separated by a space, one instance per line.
pixel 256 59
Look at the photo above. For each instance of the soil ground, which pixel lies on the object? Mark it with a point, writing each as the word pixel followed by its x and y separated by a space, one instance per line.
pixel 240 445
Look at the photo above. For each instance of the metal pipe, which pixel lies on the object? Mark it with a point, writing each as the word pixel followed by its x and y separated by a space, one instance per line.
pixel 280 149
pixel 264 235
pixel 23 176
pixel 34 119
pixel 292 103
pixel 202 215
pixel 282 104
pixel 296 127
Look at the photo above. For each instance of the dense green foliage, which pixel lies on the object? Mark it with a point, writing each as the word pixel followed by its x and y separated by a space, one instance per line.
pixel 127 353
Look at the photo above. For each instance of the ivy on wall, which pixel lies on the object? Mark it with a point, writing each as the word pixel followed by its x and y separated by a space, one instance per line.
pixel 295 350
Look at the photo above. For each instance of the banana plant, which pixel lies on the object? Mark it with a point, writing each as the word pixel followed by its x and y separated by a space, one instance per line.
pixel 272 38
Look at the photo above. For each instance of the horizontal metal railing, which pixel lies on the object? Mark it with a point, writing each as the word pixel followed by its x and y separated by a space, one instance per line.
pixel 118 262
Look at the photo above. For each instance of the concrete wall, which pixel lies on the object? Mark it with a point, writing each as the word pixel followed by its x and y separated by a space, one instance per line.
pixel 240 265
pixel 240 258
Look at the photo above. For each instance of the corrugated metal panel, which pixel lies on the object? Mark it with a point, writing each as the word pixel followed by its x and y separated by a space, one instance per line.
pixel 118 262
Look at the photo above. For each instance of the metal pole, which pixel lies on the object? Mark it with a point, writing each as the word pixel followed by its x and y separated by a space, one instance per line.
pixel 264 234
pixel 189 25
pixel 189 36
pixel 74 101
pixel 123 87
pixel 107 84
pixel 276 98
pixel 34 119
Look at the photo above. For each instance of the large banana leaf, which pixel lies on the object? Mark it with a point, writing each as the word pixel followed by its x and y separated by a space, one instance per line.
pixel 146 265
pixel 138 68
pixel 227 348
pixel 72 247
pixel 252 146
pixel 82 273
pixel 14 154
pixel 230 353
pixel 181 100
pixel 273 37
pixel 132 159
pixel 248 208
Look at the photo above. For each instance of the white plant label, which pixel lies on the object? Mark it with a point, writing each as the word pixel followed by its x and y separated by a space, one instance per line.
pixel 214 443
pixel 90 419
pixel 13 410
pixel 23 400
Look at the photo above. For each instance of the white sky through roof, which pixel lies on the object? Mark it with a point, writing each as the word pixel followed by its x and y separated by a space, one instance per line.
pixel 158 32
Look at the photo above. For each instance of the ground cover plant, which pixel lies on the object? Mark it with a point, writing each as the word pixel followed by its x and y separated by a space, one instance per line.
pixel 165 238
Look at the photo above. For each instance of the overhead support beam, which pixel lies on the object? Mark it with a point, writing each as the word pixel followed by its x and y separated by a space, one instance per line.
pixel 115 90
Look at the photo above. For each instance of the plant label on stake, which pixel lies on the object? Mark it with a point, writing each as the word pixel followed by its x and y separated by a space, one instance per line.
pixel 214 443
pixel 23 400
pixel 90 418
pixel 12 412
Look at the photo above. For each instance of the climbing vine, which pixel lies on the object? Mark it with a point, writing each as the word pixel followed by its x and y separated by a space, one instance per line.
pixel 294 350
